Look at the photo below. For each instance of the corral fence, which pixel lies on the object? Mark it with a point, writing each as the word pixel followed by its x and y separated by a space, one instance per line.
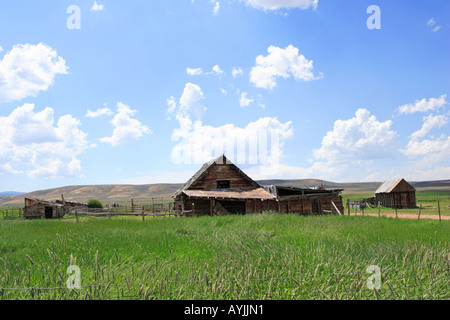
pixel 153 209
pixel 11 213
pixel 363 207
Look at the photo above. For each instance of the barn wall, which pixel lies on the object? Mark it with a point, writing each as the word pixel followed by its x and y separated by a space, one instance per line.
pixel 311 205
pixel 405 199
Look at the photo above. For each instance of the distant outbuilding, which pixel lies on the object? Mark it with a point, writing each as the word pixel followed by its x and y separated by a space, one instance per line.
pixel 396 194
pixel 38 208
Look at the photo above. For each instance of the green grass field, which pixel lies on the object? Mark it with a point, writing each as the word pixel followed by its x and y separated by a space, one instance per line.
pixel 261 256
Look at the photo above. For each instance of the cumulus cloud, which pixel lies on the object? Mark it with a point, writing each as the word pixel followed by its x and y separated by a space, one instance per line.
pixel 424 105
pixel 28 69
pixel 126 128
pixel 33 145
pixel 236 72
pixel 244 101
pixel 432 149
pixel 430 122
pixel 282 4
pixel 280 62
pixel 361 137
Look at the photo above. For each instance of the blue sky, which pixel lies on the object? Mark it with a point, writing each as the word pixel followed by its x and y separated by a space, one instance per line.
pixel 139 91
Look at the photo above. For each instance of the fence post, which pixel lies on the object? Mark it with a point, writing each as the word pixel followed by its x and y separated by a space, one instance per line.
pixel 356 209
pixel 143 217
pixel 420 208
pixel 439 210
pixel 110 213
pixel 76 215
pixel 396 212
pixel 379 208
pixel 348 206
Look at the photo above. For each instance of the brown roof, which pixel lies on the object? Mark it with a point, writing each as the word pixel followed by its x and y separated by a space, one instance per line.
pixel 258 193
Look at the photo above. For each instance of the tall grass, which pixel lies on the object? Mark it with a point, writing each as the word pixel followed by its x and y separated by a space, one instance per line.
pixel 264 256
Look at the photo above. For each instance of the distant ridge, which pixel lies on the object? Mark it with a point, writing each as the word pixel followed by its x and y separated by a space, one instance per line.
pixel 10 193
pixel 145 193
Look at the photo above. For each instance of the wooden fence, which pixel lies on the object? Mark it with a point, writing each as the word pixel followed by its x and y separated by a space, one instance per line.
pixel 352 208
pixel 11 213
pixel 162 209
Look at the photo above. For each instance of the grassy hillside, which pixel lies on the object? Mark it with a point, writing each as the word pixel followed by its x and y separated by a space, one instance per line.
pixel 145 193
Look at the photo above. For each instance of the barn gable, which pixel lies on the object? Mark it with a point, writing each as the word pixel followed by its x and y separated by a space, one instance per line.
pixel 219 173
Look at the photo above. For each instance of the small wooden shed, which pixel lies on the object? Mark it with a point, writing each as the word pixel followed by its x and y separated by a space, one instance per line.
pixel 38 208
pixel 396 194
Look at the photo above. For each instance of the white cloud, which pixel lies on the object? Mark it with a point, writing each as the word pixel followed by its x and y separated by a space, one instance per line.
pixel 431 22
pixel 237 72
pixel 189 103
pixel 97 7
pixel 199 71
pixel 126 128
pixel 282 4
pixel 362 137
pixel 28 69
pixel 217 70
pixel 281 63
pixel 216 8
pixel 432 149
pixel 428 147
pixel 244 101
pixel 99 112
pixel 33 145
pixel 194 72
pixel 430 122
pixel 224 92
pixel 436 29
pixel 424 105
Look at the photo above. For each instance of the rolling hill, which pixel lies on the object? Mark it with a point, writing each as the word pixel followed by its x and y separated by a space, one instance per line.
pixel 145 193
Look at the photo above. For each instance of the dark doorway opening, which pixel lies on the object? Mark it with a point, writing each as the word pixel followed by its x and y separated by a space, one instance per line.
pixel 234 207
pixel 48 212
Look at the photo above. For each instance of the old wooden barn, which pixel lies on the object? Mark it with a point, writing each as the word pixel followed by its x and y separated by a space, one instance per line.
pixel 220 187
pixel 38 208
pixel 396 194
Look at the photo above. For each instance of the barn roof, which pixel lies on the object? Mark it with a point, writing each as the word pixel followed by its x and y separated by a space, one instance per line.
pixel 52 203
pixel 200 173
pixel 234 193
pixel 390 185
